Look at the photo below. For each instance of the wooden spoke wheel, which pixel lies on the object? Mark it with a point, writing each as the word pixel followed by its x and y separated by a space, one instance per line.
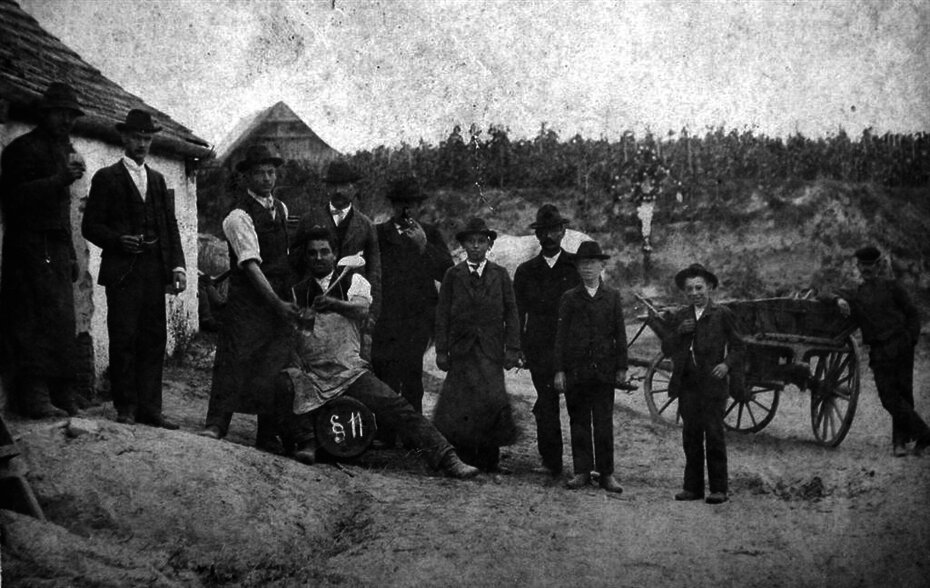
pixel 834 388
pixel 655 386
pixel 754 410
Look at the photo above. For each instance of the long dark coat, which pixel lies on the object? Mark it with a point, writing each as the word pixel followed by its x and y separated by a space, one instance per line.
pixel 476 323
pixel 539 289
pixel 408 285
pixel 36 300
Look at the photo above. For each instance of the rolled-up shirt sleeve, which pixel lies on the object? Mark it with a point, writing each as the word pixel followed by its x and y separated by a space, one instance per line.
pixel 360 288
pixel 240 232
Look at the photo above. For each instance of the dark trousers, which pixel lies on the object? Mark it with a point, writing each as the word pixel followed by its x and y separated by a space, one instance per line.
pixel 548 423
pixel 895 384
pixel 265 428
pixel 591 406
pixel 397 356
pixel 388 407
pixel 136 326
pixel 702 426
pixel 403 373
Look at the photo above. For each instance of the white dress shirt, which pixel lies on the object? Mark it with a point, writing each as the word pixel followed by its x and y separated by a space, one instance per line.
pixel 138 174
pixel 339 214
pixel 240 230
pixel 551 261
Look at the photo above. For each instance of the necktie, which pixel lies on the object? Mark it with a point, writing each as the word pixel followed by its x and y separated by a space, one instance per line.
pixel 473 270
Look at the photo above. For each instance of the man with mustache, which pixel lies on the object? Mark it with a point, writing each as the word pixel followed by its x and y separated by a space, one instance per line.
pixel 539 284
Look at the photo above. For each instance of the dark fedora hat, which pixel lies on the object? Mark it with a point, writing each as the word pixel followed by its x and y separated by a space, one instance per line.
pixel 60 95
pixel 340 172
pixel 590 250
pixel 868 255
pixel 548 216
pixel 138 120
pixel 258 154
pixel 695 270
pixel 475 226
pixel 406 189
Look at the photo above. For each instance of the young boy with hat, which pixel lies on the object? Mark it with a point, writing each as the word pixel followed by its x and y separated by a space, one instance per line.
pixel 890 326
pixel 477 338
pixel 705 346
pixel 590 359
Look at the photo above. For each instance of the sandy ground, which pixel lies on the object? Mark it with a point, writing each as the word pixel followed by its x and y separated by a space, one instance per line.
pixel 140 506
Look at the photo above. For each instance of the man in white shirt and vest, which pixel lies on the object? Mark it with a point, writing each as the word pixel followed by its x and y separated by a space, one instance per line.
pixel 130 215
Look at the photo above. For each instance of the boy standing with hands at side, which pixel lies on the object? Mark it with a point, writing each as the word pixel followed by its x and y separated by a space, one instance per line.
pixel 705 346
pixel 590 358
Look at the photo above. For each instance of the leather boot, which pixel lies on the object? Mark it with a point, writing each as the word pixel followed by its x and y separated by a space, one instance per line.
pixel 306 452
pixel 611 484
pixel 37 403
pixel 578 481
pixel 454 467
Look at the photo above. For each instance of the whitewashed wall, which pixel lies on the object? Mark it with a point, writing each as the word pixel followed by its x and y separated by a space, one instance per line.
pixel 89 298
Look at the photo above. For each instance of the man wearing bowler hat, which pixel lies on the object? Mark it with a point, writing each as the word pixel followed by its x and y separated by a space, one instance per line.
pixel 130 215
pixel 39 263
pixel 890 325
pixel 354 233
pixel 414 257
pixel 539 284
pixel 254 337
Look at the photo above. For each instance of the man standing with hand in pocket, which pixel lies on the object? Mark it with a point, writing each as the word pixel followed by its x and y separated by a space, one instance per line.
pixel 130 216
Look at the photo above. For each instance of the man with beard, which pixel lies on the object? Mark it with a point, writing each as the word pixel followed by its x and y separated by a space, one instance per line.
pixel 130 216
pixel 39 263
pixel 414 256
pixel 539 284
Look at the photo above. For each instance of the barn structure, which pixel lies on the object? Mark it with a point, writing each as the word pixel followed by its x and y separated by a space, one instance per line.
pixel 30 59
pixel 279 127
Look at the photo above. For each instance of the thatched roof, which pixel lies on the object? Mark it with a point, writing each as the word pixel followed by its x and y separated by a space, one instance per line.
pixel 31 58
pixel 277 126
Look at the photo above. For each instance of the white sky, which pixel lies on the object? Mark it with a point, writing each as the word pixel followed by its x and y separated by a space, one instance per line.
pixel 380 72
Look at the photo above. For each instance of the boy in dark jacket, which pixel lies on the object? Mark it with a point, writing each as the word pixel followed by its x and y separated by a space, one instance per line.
pixel 705 346
pixel 590 358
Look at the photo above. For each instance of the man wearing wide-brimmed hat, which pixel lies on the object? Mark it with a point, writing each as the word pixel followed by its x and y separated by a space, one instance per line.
pixel 414 256
pixel 707 353
pixel 354 233
pixel 253 343
pixel 539 284
pixel 890 325
pixel 37 326
pixel 130 215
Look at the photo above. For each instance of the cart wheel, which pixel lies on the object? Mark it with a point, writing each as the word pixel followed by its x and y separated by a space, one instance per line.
pixel 655 386
pixel 834 392
pixel 755 410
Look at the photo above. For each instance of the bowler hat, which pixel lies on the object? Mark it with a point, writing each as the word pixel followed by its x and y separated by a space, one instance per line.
pixel 590 250
pixel 475 226
pixel 548 216
pixel 60 95
pixel 695 270
pixel 406 189
pixel 138 120
pixel 340 172
pixel 868 255
pixel 258 154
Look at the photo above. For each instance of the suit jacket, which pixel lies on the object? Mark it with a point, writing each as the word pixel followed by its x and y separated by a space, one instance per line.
pixel 408 277
pixel 110 214
pixel 716 339
pixel 889 321
pixel 359 237
pixel 590 342
pixel 539 289
pixel 477 315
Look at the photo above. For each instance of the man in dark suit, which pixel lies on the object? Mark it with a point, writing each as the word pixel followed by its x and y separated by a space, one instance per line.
pixel 39 263
pixel 130 216
pixel 414 256
pixel 539 284
pixel 354 233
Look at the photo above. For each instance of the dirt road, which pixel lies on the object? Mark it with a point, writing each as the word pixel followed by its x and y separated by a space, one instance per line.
pixel 144 506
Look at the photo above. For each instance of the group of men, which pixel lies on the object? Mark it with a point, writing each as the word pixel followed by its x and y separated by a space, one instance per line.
pixel 294 333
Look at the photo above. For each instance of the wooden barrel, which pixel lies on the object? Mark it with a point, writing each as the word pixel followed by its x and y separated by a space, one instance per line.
pixel 345 427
